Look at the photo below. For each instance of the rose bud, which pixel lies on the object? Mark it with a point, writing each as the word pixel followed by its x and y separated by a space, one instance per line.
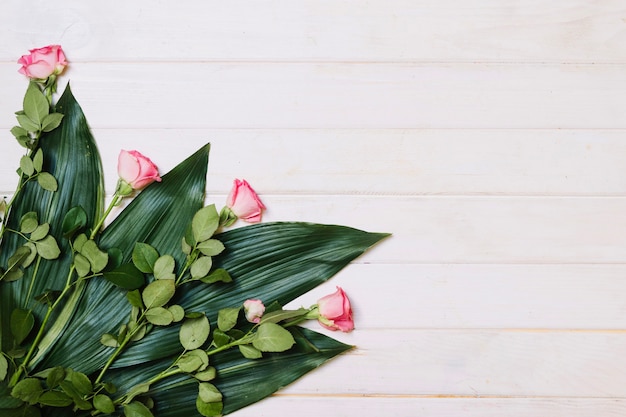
pixel 135 171
pixel 41 63
pixel 244 203
pixel 253 310
pixel 335 312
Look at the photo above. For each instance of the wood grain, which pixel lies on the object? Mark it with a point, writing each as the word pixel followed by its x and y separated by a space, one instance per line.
pixel 488 136
pixel 341 95
pixel 519 162
pixel 516 31
pixel 492 363
pixel 435 406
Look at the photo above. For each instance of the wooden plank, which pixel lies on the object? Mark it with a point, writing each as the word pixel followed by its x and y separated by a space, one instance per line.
pixel 288 95
pixel 405 406
pixel 476 363
pixel 280 30
pixel 472 229
pixel 380 162
pixel 468 230
pixel 410 296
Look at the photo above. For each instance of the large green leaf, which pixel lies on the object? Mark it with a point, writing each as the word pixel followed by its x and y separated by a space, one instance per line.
pixel 270 261
pixel 159 215
pixel 71 156
pixel 241 381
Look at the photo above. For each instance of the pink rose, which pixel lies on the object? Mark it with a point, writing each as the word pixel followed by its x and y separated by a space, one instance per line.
pixel 43 62
pixel 244 202
pixel 253 310
pixel 136 170
pixel 335 312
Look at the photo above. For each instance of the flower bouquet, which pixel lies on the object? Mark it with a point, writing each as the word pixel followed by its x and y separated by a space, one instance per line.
pixel 166 311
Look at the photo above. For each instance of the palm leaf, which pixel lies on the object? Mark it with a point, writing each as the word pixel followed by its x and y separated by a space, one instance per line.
pixel 159 216
pixel 71 156
pixel 270 261
pixel 258 378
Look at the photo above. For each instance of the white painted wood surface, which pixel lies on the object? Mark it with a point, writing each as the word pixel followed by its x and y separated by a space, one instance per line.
pixel 487 135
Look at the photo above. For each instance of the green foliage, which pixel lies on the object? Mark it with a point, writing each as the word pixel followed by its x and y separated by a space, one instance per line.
pixel 22 322
pixel 194 332
pixel 80 183
pixel 34 119
pixel 194 370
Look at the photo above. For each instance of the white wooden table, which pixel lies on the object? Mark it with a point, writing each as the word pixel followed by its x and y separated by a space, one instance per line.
pixel 486 135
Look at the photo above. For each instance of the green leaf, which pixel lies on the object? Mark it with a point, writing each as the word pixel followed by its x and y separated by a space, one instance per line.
pixel 220 338
pixel 47 181
pixel 18 258
pixel 177 312
pixel 116 258
pixel 159 316
pixel 192 361
pixel 26 165
pixel 80 240
pixel 51 122
pixel 269 261
pixel 22 322
pixel 12 275
pixel 144 257
pixel 55 376
pixel 126 276
pixel 80 381
pixel 200 267
pixel 209 393
pixel 27 123
pixel 55 399
pixel 185 247
pixel 261 377
pixel 217 275
pixel 33 254
pixel 74 220
pixel 38 160
pixel 48 248
pixel 80 403
pixel 104 404
pixel 205 222
pixel 271 337
pixel 207 375
pixel 36 105
pixel 194 332
pixel 211 247
pixel 19 132
pixel 158 293
pixel 227 318
pixel 250 352
pixel 209 409
pixel 109 340
pixel 164 267
pixel 136 409
pixel 82 265
pixel 28 390
pixel 97 258
pixel 134 298
pixel 138 390
pixel 4 366
pixel 29 222
pixel 40 232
